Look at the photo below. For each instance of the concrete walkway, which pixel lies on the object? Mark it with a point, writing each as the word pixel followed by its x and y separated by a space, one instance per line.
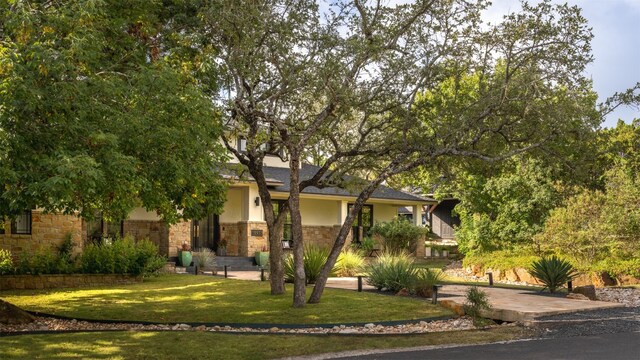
pixel 521 305
pixel 507 304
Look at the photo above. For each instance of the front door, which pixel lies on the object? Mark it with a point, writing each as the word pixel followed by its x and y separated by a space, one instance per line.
pixel 205 233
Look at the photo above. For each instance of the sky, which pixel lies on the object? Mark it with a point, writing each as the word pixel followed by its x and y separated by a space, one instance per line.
pixel 615 46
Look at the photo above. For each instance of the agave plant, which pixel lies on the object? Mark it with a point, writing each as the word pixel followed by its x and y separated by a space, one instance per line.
pixel 553 272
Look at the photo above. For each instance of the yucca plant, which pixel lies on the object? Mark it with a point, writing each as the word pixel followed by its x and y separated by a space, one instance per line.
pixel 425 279
pixel 314 259
pixel 349 263
pixel 392 272
pixel 553 272
pixel 204 259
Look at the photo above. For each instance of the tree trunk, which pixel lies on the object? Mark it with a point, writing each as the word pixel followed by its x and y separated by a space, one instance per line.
pixel 300 279
pixel 338 244
pixel 276 268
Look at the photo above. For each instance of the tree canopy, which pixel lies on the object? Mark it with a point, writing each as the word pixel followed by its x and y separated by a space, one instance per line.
pixel 98 111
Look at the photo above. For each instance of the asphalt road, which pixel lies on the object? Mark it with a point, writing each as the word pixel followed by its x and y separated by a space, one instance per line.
pixel 621 346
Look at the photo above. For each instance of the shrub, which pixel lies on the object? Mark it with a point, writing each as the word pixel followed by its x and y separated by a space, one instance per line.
pixel 391 271
pixel 500 260
pixel 6 262
pixel 204 259
pixel 399 235
pixel 122 257
pixel 314 259
pixel 553 272
pixel 476 301
pixel 41 261
pixel 349 263
pixel 425 279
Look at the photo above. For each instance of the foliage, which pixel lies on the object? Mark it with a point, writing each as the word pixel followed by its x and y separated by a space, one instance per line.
pixel 501 259
pixel 349 263
pixel 39 262
pixel 596 226
pixel 507 210
pixel 6 262
pixel 103 113
pixel 365 246
pixel 553 272
pixel 399 235
pixel 314 259
pixel 204 258
pixel 391 271
pixel 425 279
pixel 476 302
pixel 123 256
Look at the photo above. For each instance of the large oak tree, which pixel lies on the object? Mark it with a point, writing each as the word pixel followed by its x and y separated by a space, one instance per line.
pixel 99 111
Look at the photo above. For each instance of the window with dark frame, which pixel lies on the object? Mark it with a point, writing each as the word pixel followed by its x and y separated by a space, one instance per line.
pixel 242 144
pixel 21 224
pixel 362 223
pixel 286 228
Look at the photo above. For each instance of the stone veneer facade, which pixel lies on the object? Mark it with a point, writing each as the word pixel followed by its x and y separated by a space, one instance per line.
pixel 47 231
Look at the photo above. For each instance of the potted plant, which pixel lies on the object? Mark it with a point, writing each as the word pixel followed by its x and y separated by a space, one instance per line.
pixel 222 248
pixel 184 254
pixel 262 257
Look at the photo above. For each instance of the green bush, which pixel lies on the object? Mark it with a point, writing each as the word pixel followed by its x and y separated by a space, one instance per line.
pixel 500 260
pixel 553 272
pixel 476 301
pixel 425 279
pixel 123 256
pixel 349 263
pixel 6 262
pixel 41 261
pixel 314 258
pixel 399 235
pixel 391 271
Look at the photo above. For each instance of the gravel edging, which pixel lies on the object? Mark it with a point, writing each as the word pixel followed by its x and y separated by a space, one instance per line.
pixel 48 325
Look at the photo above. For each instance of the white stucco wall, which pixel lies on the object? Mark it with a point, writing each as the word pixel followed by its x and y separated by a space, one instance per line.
pixel 319 212
pixel 142 214
pixel 384 212
pixel 233 207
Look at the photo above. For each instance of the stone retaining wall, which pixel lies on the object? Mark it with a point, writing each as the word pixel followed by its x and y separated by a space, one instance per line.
pixel 32 282
pixel 597 279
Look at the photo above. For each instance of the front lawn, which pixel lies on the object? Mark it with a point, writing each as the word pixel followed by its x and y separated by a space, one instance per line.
pixel 184 298
pixel 199 345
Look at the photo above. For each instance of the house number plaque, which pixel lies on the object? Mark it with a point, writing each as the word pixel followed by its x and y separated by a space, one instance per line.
pixel 256 232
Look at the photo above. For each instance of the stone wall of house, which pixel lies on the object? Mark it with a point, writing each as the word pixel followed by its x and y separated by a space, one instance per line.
pixel 257 236
pixel 322 236
pixel 32 282
pixel 231 234
pixel 156 231
pixel 179 233
pixel 47 231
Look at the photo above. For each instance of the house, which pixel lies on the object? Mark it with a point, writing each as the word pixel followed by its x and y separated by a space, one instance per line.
pixel 241 224
pixel 442 220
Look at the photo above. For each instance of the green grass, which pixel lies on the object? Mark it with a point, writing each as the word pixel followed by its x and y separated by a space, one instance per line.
pixel 200 345
pixel 182 298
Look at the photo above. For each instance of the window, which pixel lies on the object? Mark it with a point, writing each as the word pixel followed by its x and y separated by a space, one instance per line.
pixel 286 231
pixel 98 229
pixel 362 223
pixel 242 144
pixel 21 225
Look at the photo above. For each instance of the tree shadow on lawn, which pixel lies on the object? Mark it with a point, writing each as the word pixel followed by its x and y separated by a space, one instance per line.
pixel 207 299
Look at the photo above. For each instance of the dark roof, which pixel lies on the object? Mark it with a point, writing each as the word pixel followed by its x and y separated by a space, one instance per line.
pixel 307 171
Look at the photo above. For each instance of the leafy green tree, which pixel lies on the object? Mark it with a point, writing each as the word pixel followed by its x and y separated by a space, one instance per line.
pixel 365 87
pixel 507 210
pixel 100 112
pixel 596 226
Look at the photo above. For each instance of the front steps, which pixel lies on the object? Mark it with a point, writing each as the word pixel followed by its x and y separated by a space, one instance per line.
pixel 233 263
